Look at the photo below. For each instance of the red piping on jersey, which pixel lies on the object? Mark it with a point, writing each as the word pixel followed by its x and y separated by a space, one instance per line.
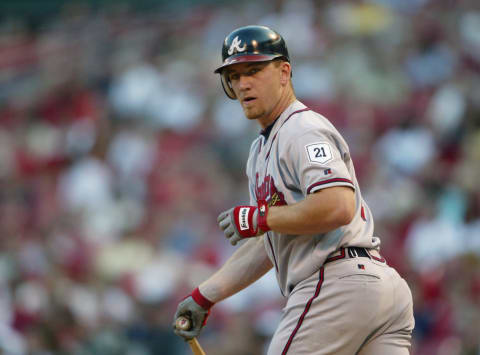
pixel 336 257
pixel 381 259
pixel 328 182
pixel 271 145
pixel 273 254
pixel 305 311
pixel 275 136
pixel 362 213
pixel 274 258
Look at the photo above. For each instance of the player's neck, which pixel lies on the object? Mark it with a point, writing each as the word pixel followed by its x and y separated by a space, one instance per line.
pixel 283 103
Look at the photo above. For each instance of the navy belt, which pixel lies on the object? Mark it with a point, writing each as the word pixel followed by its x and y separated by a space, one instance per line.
pixel 349 252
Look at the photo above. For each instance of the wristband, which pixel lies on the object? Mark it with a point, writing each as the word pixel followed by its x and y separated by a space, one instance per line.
pixel 262 216
pixel 201 300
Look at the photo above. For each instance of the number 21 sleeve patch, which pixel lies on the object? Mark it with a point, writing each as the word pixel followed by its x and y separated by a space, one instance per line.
pixel 315 161
pixel 320 153
pixel 331 168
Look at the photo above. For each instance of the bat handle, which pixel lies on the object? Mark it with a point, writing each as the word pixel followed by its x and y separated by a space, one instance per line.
pixel 183 323
pixel 196 348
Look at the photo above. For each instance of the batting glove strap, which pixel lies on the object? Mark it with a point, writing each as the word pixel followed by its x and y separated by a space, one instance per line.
pixel 262 216
pixel 201 300
pixel 244 221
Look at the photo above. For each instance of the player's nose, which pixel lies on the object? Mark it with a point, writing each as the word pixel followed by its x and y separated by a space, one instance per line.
pixel 244 82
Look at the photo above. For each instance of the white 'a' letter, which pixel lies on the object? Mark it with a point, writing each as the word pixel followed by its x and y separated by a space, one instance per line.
pixel 235 46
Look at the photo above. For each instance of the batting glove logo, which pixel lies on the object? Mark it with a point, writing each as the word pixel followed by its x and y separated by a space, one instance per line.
pixel 243 217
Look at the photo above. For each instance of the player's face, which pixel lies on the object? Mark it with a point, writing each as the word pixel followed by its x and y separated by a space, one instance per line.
pixel 258 89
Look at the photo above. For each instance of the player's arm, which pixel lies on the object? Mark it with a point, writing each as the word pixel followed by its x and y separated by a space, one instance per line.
pixel 249 263
pixel 320 212
pixel 314 159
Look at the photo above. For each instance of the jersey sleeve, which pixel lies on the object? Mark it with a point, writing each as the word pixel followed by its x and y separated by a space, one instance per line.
pixel 317 160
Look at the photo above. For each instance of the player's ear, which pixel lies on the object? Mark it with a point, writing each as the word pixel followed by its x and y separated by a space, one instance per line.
pixel 285 70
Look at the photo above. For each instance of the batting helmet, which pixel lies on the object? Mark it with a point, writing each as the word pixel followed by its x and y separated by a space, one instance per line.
pixel 250 44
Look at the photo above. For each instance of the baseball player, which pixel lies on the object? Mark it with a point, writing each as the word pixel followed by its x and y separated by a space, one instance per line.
pixel 306 219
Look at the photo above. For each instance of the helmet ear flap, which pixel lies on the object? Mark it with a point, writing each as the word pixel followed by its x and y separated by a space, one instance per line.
pixel 227 87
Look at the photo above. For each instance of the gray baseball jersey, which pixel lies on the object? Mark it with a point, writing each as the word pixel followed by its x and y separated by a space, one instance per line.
pixel 302 154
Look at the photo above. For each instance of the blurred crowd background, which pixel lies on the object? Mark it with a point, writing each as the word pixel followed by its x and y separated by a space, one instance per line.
pixel 118 149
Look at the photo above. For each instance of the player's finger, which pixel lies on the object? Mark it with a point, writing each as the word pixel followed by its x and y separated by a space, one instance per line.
pixel 234 240
pixel 223 215
pixel 187 335
pixel 229 231
pixel 224 224
pixel 228 234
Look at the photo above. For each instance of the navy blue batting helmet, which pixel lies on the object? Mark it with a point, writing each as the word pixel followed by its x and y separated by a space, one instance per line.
pixel 250 44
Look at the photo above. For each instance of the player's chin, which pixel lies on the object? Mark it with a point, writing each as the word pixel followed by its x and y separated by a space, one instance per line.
pixel 251 113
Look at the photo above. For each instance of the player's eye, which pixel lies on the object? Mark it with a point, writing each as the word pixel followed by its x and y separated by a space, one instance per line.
pixel 233 76
pixel 253 71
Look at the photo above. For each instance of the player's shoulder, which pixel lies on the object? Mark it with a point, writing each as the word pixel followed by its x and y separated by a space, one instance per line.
pixel 254 150
pixel 255 144
pixel 309 122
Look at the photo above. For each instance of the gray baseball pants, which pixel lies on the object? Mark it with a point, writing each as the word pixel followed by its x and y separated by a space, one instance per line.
pixel 355 305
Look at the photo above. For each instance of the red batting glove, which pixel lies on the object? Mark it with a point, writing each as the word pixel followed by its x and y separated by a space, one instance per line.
pixel 244 222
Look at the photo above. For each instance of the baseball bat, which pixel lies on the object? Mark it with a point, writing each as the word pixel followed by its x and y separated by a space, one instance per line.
pixel 183 323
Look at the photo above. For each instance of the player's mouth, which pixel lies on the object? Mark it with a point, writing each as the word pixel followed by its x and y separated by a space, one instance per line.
pixel 249 99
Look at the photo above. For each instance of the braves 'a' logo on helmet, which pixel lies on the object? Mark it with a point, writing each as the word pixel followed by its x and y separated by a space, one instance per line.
pixel 250 44
pixel 235 46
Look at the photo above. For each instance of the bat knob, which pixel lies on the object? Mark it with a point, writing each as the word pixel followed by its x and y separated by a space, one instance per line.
pixel 183 323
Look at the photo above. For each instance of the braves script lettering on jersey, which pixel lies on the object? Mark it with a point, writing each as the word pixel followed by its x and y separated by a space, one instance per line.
pixel 302 154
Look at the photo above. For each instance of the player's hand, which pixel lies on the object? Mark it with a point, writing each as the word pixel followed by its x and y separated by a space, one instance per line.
pixel 195 313
pixel 243 222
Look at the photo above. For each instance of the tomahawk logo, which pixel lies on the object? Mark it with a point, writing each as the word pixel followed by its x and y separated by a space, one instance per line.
pixel 268 191
pixel 235 46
